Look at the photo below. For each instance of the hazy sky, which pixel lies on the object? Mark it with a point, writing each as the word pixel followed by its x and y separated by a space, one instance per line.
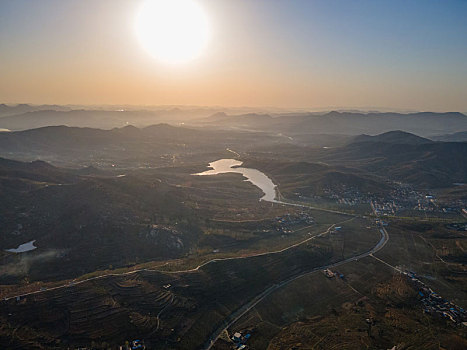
pixel 398 54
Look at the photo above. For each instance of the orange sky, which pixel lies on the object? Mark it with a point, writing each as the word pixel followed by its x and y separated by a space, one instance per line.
pixel 261 54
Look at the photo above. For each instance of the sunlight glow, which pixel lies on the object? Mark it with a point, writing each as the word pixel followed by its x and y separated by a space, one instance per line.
pixel 173 31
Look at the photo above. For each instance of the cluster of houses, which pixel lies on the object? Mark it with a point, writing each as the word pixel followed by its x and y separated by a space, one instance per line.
pixel 427 203
pixel 457 206
pixel 348 201
pixel 385 207
pixel 330 274
pixel 346 195
pixel 240 339
pixel 412 200
pixel 286 221
pixel 132 345
pixel 401 197
pixel 460 226
pixel 381 222
pixel 434 304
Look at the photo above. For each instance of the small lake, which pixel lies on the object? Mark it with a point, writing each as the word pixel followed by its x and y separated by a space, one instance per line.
pixel 254 176
pixel 26 247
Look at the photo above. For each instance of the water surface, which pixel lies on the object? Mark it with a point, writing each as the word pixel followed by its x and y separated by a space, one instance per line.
pixel 26 247
pixel 254 176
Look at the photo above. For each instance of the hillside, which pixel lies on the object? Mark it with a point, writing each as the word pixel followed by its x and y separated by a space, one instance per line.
pixel 155 144
pixel 317 179
pixel 38 171
pixel 84 222
pixel 411 159
pixel 393 137
pixel 397 156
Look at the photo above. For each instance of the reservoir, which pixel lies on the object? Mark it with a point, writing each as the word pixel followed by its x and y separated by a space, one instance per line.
pixel 26 247
pixel 254 176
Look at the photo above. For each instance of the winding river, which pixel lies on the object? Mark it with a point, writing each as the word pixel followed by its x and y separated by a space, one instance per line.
pixel 254 176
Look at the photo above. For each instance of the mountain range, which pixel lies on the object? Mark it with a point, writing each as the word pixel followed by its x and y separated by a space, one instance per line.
pixel 296 125
pixel 346 123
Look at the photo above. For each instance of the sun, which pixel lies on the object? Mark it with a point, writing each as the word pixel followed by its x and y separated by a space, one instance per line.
pixel 173 31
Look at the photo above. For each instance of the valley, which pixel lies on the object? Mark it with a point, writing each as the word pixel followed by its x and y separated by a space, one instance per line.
pixel 182 260
pixel 233 175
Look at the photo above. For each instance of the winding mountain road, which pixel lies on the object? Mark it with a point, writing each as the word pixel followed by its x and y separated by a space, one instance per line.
pixel 235 316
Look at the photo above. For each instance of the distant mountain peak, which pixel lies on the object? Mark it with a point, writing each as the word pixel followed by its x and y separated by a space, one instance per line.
pixel 41 164
pixel 396 137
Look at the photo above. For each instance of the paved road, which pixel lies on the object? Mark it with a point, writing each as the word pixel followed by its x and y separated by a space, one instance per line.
pixel 234 317
pixel 303 205
pixel 260 254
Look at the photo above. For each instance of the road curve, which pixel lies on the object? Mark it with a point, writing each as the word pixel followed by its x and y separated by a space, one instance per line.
pixel 235 316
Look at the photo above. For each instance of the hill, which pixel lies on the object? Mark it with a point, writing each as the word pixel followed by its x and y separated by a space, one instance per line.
pixel 301 178
pixel 36 171
pixel 159 144
pixel 83 220
pixel 397 156
pixel 405 158
pixel 394 137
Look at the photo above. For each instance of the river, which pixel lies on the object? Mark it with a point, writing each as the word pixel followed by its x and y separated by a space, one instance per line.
pixel 254 176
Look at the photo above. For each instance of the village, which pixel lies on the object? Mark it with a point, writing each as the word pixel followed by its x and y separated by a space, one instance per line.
pixel 403 198
pixel 286 222
pixel 434 304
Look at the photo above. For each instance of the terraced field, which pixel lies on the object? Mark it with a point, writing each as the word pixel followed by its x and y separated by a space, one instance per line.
pixel 180 309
